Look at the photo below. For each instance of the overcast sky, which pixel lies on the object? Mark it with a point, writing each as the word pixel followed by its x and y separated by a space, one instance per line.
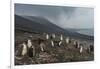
pixel 65 17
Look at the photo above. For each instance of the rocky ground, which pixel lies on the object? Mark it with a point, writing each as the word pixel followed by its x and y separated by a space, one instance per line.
pixel 56 54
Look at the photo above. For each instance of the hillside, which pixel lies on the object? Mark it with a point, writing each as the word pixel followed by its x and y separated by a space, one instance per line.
pixel 38 24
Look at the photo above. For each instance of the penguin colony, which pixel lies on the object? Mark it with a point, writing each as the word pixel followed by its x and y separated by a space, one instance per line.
pixel 28 48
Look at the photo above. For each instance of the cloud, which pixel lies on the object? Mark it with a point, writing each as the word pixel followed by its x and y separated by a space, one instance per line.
pixel 80 18
pixel 65 17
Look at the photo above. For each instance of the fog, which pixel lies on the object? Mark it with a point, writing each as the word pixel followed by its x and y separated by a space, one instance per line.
pixel 63 16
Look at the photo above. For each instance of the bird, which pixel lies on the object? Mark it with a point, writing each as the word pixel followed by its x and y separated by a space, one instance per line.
pixel 52 43
pixel 24 49
pixel 29 43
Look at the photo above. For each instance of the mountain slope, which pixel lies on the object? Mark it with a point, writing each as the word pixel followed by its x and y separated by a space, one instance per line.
pixel 30 25
pixel 46 23
pixel 38 24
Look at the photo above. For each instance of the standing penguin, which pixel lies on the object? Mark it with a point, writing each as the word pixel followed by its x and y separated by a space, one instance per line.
pixel 91 48
pixel 47 36
pixel 42 46
pixel 29 43
pixel 31 48
pixel 61 37
pixel 52 43
pixel 60 43
pixel 54 36
pixel 31 51
pixel 24 49
pixel 67 40
pixel 76 44
pixel 81 49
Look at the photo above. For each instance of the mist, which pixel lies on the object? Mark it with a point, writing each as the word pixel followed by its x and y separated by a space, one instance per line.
pixel 63 16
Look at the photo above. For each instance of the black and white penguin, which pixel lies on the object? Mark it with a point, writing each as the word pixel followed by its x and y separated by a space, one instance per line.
pixel 61 37
pixel 52 43
pixel 24 49
pixel 47 36
pixel 42 46
pixel 29 43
